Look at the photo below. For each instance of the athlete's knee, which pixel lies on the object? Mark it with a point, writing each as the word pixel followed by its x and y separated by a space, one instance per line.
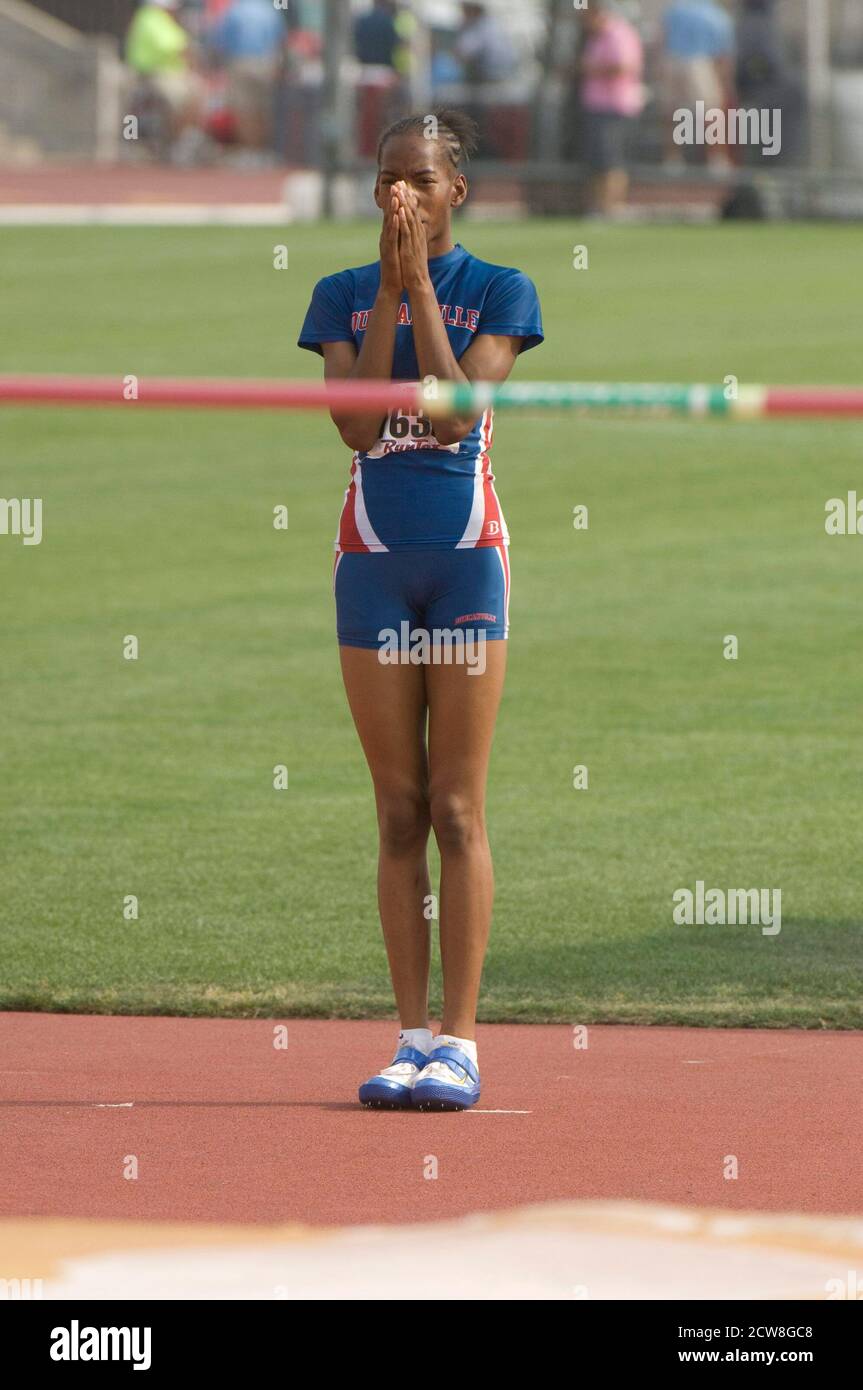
pixel 403 820
pixel 458 820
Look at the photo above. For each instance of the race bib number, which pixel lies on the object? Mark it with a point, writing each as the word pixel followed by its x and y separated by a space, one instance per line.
pixel 404 430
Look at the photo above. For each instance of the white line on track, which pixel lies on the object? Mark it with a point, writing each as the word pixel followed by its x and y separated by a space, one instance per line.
pixel 128 1104
pixel 499 1112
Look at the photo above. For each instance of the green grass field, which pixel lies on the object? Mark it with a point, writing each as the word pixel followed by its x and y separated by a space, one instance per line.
pixel 154 777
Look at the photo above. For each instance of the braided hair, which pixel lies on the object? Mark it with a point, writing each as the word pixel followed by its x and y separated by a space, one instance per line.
pixel 453 131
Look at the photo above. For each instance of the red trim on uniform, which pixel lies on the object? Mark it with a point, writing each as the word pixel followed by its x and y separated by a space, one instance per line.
pixel 504 555
pixel 349 536
pixel 350 539
pixel 491 506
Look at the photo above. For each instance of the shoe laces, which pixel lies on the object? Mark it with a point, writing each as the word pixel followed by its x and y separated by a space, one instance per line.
pixel 400 1069
pixel 442 1071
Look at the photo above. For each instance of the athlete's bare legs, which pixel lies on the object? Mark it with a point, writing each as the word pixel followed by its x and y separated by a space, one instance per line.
pixel 388 704
pixel 462 713
pixel 442 787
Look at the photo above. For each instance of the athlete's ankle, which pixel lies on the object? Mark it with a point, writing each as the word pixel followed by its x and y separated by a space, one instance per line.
pixel 466 1045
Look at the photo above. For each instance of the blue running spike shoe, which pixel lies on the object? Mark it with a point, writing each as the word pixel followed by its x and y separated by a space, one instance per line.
pixel 449 1081
pixel 391 1088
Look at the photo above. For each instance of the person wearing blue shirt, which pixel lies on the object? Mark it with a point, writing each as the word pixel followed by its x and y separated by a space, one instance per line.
pixel 376 36
pixel 698 41
pixel 697 29
pixel 249 38
pixel 422 560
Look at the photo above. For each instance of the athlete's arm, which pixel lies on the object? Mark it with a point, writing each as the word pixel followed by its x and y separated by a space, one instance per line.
pixel 358 428
pixel 374 361
pixel 490 356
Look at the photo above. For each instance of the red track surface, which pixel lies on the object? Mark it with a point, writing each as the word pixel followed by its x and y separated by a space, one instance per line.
pixel 141 183
pixel 138 183
pixel 226 1128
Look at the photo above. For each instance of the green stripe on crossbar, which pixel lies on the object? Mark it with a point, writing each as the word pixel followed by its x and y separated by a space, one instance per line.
pixel 690 400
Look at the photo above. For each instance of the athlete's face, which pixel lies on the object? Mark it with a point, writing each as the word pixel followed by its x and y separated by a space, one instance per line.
pixel 428 171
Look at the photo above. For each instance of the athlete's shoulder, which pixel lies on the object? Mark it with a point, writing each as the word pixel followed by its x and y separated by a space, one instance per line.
pixel 353 276
pixel 509 302
pixel 490 271
pixel 329 317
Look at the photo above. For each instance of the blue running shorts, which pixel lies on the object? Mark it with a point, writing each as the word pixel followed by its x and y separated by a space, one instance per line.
pixel 377 591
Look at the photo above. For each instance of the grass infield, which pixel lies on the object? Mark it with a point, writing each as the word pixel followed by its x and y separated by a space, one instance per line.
pixel 154 777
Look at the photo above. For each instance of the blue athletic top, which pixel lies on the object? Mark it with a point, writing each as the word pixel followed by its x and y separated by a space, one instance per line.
pixel 698 30
pixel 409 491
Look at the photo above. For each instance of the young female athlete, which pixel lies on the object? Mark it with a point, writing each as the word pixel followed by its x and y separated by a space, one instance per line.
pixel 421 549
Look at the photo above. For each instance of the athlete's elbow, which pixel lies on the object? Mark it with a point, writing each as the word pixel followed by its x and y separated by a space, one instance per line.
pixel 360 440
pixel 357 434
pixel 452 431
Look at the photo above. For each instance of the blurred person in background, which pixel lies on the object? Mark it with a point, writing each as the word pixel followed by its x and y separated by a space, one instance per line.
pixel 446 69
pixel 765 78
pixel 382 47
pixel 305 42
pixel 610 65
pixel 159 51
pixel 249 38
pixel 487 56
pixel 484 47
pixel 376 36
pixel 698 40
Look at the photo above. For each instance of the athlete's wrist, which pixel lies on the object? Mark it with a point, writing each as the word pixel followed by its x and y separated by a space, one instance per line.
pixel 389 296
pixel 420 285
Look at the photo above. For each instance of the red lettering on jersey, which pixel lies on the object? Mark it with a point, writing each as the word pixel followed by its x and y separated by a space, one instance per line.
pixel 452 314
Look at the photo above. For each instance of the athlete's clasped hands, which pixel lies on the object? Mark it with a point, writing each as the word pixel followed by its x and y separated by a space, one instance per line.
pixel 403 244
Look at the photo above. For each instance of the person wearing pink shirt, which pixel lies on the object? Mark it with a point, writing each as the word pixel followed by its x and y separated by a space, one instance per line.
pixel 612 96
